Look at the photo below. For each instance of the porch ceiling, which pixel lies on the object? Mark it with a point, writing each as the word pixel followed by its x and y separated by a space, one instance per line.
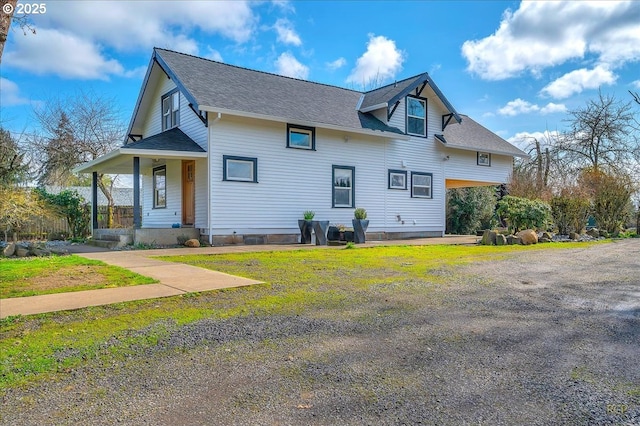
pixel 120 161
pixel 459 183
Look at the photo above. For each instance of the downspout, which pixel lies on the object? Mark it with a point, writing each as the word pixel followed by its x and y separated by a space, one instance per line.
pixel 209 212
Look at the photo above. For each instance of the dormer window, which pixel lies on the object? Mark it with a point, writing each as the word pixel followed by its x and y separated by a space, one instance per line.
pixel 416 116
pixel 170 110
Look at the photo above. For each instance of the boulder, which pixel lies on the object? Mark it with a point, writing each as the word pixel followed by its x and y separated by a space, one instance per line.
pixel 527 237
pixel 574 236
pixel 501 240
pixel 547 235
pixel 512 240
pixel 22 251
pixel 488 238
pixel 192 243
pixel 593 232
pixel 9 250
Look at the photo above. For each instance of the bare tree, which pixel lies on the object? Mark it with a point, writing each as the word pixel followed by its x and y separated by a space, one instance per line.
pixel 601 136
pixel 7 18
pixel 635 96
pixel 13 168
pixel 77 130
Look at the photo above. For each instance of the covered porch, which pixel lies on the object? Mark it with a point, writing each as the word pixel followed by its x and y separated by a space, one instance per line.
pixel 148 158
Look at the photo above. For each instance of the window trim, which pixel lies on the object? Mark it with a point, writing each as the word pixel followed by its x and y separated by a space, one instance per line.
pixel 333 187
pixel 421 99
pixel 487 155
pixel 169 95
pixel 226 178
pixel 155 172
pixel 301 129
pixel 430 196
pixel 397 172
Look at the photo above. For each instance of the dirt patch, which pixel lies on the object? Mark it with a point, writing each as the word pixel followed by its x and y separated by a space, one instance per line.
pixel 71 276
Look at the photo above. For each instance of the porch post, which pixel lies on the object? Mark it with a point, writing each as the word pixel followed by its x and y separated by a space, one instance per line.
pixel 94 201
pixel 136 193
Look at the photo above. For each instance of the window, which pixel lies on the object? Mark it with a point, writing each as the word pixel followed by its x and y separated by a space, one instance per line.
pixel 421 185
pixel 416 116
pixel 160 187
pixel 242 169
pixel 170 110
pixel 343 186
pixel 397 179
pixel 301 137
pixel 484 159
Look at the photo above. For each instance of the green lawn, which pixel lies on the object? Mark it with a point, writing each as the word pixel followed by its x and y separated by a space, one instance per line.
pixel 33 276
pixel 311 282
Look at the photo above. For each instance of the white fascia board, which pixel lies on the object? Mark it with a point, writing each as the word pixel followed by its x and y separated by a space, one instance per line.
pixel 387 135
pixel 476 149
pixel 375 107
pixel 153 153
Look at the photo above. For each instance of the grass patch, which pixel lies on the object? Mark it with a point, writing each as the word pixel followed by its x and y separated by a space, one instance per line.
pixel 318 283
pixel 34 276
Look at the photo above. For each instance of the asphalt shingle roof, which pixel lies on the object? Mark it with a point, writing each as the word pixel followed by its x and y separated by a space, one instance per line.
pixel 217 85
pixel 170 140
pixel 386 93
pixel 468 134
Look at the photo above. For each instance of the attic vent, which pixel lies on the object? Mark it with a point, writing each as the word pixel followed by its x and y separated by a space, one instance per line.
pixel 395 84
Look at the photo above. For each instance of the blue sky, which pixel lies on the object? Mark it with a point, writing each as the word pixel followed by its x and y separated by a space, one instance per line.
pixel 516 67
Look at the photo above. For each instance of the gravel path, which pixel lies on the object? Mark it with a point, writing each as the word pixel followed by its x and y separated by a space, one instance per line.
pixel 544 337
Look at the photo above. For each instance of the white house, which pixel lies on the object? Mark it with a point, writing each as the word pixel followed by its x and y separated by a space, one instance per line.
pixel 238 155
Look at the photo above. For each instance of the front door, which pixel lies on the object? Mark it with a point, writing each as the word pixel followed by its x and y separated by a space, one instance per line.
pixel 188 192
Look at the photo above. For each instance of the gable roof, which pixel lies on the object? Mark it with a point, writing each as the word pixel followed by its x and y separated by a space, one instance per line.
pixel 170 140
pixel 470 135
pixel 218 87
pixel 388 95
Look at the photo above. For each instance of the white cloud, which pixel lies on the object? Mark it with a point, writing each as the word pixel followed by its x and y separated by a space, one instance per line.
pixel 338 63
pixel 579 80
pixel 382 61
pixel 73 38
pixel 286 33
pixel 636 84
pixel 545 34
pixel 10 93
pixel 523 140
pixel 213 54
pixel 289 66
pixel 519 106
pixel 61 53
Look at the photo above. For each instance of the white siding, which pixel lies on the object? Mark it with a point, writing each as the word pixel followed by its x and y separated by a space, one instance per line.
pixel 463 165
pixel 163 217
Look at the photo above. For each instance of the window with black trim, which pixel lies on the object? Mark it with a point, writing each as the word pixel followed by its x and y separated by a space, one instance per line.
pixel 160 187
pixel 416 116
pixel 397 179
pixel 301 137
pixel 170 110
pixel 421 185
pixel 343 186
pixel 240 169
pixel 484 159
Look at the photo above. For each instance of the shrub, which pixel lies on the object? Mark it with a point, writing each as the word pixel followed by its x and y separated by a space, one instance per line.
pixel 71 206
pixel 570 212
pixel 308 214
pixel 522 213
pixel 360 213
pixel 611 195
pixel 470 209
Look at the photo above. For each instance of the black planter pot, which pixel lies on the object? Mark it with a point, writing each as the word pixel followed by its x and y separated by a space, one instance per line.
pixel 359 229
pixel 333 234
pixel 349 236
pixel 305 230
pixel 320 228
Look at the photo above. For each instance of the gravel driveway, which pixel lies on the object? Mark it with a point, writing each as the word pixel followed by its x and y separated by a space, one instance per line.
pixel 540 338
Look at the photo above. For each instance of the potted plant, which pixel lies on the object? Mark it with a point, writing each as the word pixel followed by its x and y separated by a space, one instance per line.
pixel 305 226
pixel 360 225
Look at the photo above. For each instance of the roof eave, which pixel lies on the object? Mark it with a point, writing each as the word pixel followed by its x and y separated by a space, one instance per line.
pixel 426 78
pixel 374 107
pixel 378 133
pixel 443 141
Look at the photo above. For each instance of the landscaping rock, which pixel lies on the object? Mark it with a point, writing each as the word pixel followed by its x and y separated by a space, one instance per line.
pixel 544 240
pixel 547 235
pixel 593 232
pixel 488 238
pixel 501 240
pixel 574 236
pixel 527 237
pixel 9 250
pixel 192 243
pixel 22 251
pixel 512 240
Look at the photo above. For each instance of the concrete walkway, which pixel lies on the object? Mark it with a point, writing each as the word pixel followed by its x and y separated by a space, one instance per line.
pixel 174 278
